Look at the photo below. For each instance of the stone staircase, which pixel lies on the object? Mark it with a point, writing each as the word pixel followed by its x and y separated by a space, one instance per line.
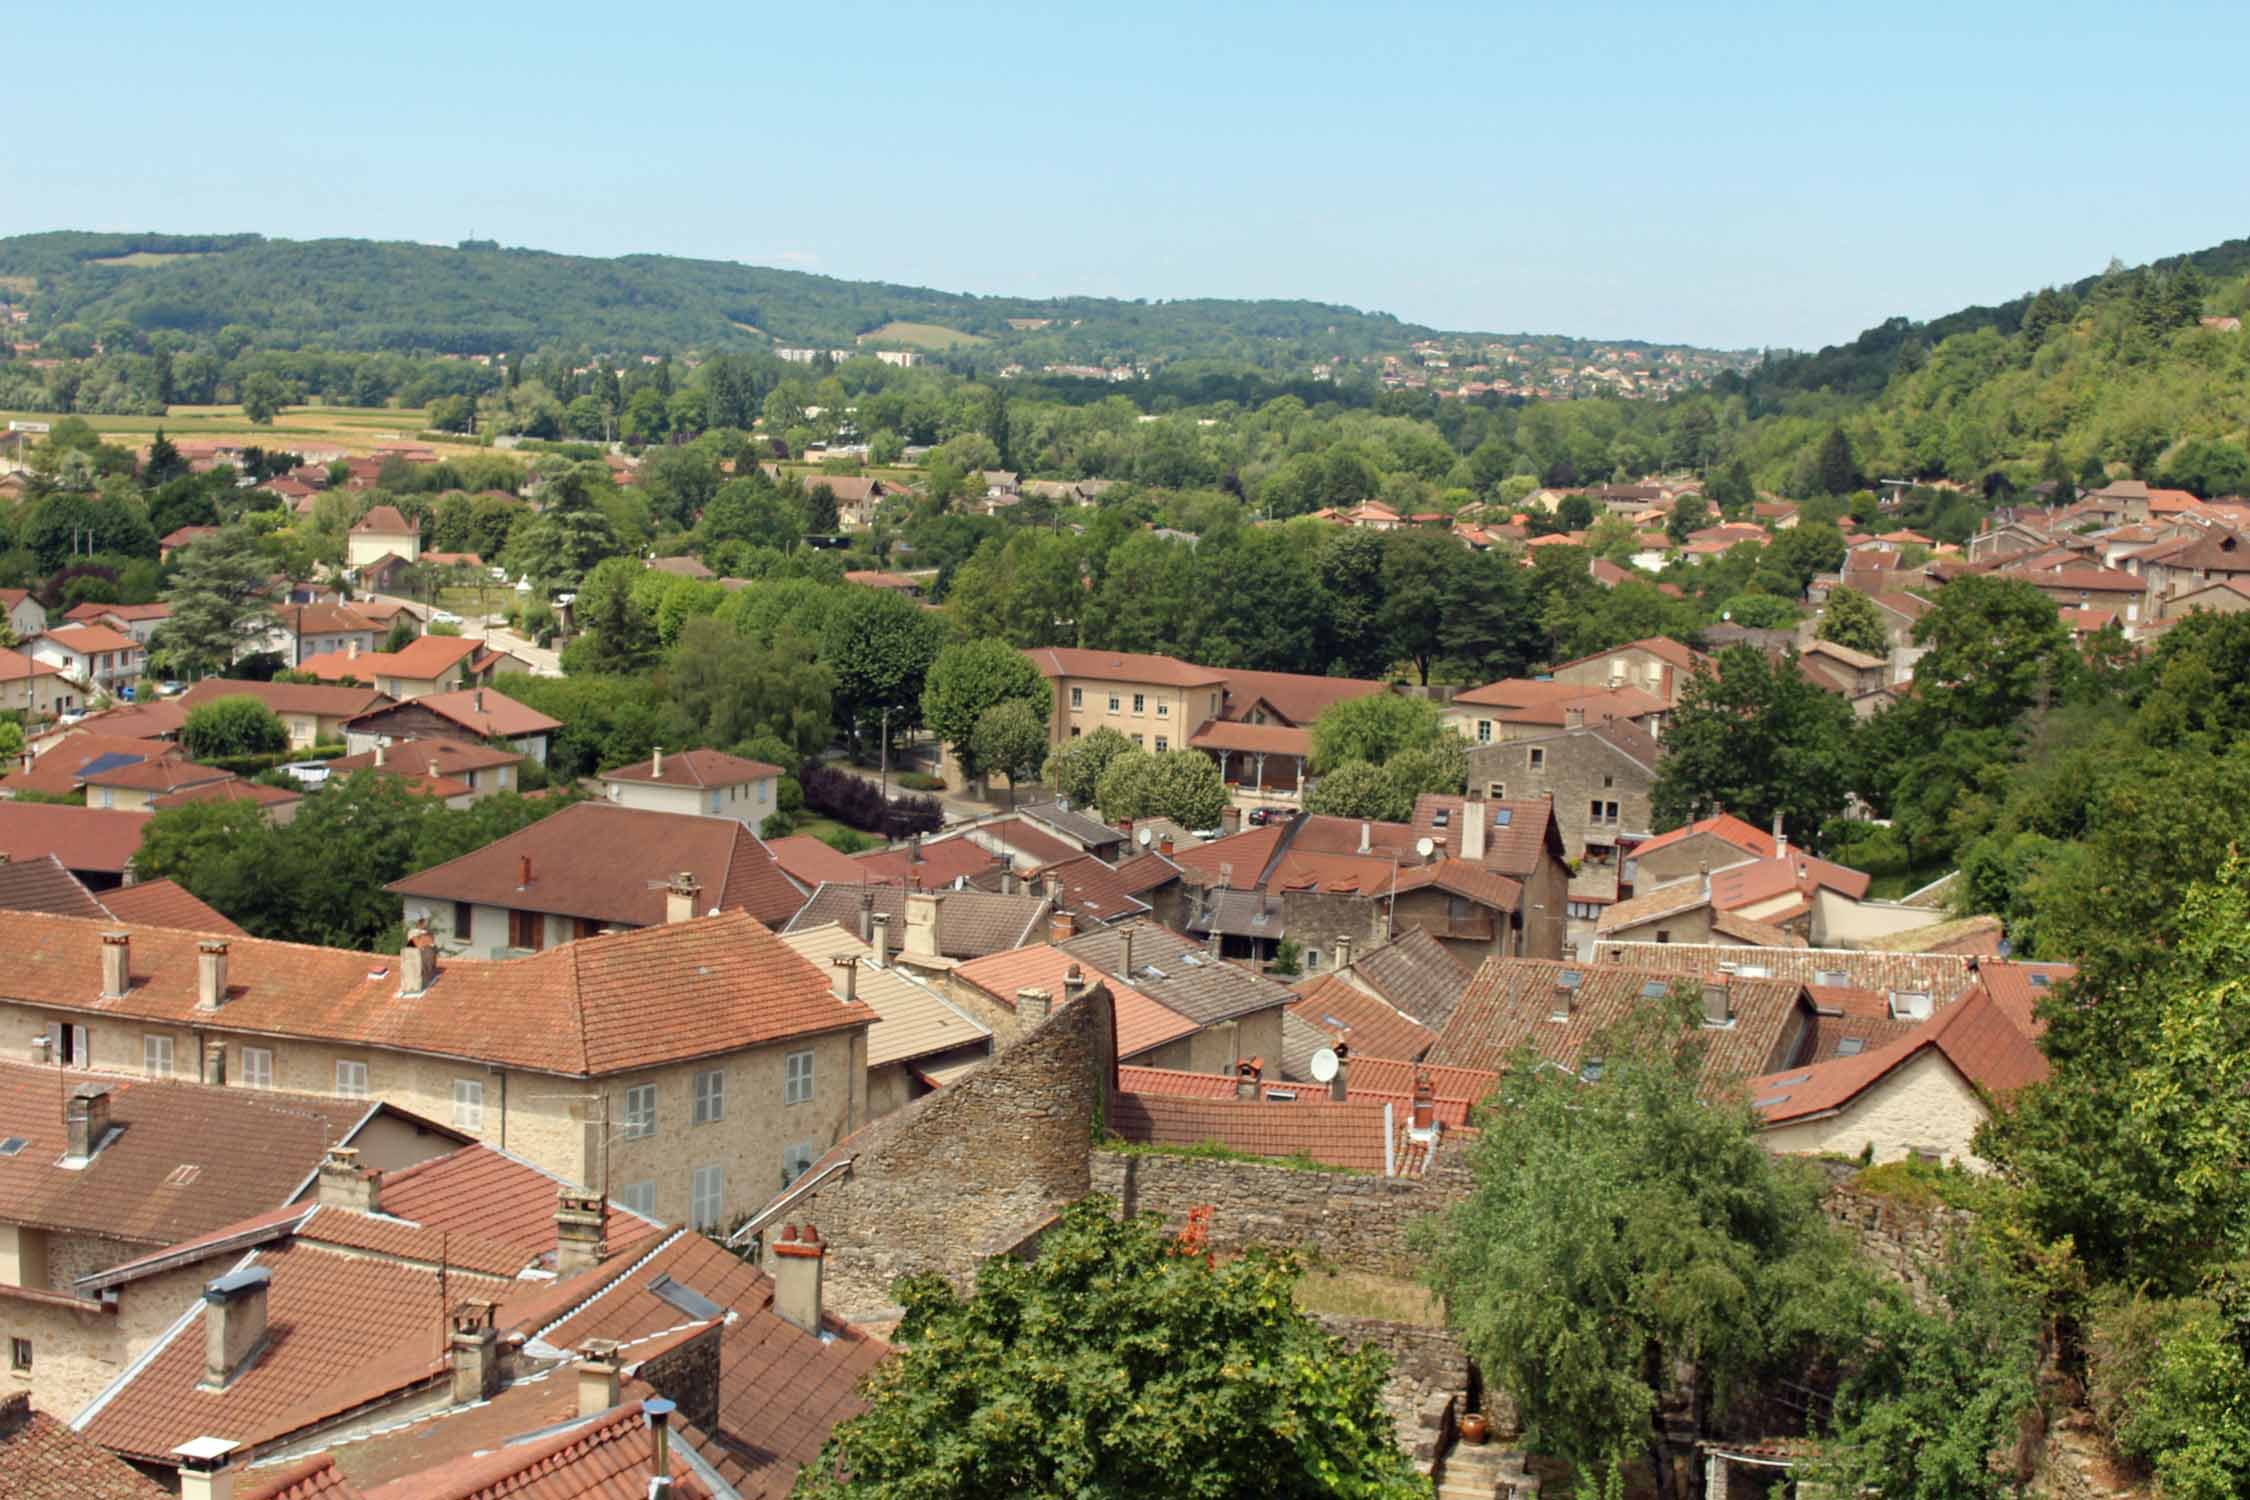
pixel 1486 1472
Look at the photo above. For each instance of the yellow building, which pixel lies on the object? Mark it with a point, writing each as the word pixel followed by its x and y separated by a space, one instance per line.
pixel 1154 701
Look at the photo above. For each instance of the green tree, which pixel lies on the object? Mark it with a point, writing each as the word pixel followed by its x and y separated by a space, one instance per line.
pixel 1630 1252
pixel 1127 787
pixel 1010 737
pixel 1835 471
pixel 1755 736
pixel 1355 789
pixel 1994 648
pixel 726 690
pixel 232 726
pixel 969 679
pixel 1187 788
pixel 1374 728
pixel 1122 1362
pixel 557 547
pixel 220 588
pixel 1850 620
pixel 1419 572
pixel 263 396
pixel 881 646
pixel 1074 768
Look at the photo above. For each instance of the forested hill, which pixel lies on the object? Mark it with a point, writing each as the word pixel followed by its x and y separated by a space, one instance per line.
pixel 1866 364
pixel 481 299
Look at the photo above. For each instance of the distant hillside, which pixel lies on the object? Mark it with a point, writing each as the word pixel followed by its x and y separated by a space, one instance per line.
pixel 481 299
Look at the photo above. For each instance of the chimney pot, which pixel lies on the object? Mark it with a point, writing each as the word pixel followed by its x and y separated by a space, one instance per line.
pixel 579 1217
pixel 847 964
pixel 204 1473
pixel 681 898
pixel 417 961
pixel 659 1413
pixel 881 923
pixel 344 1185
pixel 117 964
pixel 797 1269
pixel 1424 1119
pixel 1033 1005
pixel 1718 1003
pixel 211 974
pixel 382 754
pixel 1074 983
pixel 1339 1087
pixel 1125 954
pixel 1061 927
pixel 473 1350
pixel 656 764
pixel 599 1377
pixel 234 1324
pixel 1366 837
pixel 86 1121
pixel 1343 951
pixel 523 871
pixel 1164 846
pixel 1574 717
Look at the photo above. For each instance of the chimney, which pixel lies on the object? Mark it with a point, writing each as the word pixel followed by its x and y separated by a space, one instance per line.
pixel 210 974
pixel 1780 839
pixel 1125 954
pixel 1340 1087
pixel 1343 951
pixel 1246 1074
pixel 480 700
pixel 86 1121
pixel 1574 717
pixel 659 1413
pixel 382 754
pixel 417 961
pixel 1703 869
pixel 1074 984
pixel 1718 1003
pixel 117 951
pixel 1032 1006
pixel 344 1185
pixel 1423 1122
pixel 924 929
pixel 1007 880
pixel 1473 829
pixel 204 1474
pixel 523 872
pixel 1052 885
pixel 473 1351
pixel 680 898
pixel 351 650
pixel 881 939
pixel 1230 819
pixel 1215 944
pixel 1564 998
pixel 234 1324
pixel 1366 837
pixel 847 964
pixel 797 1263
pixel 600 1377
pixel 866 915
pixel 656 764
pixel 578 1230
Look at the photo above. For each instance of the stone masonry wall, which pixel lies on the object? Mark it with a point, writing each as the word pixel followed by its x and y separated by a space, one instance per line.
pixel 1425 1362
pixel 971 1170
pixel 1903 1240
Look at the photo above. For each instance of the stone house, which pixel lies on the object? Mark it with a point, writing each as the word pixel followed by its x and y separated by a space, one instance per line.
pixel 1525 708
pixel 303 631
pixel 1656 665
pixel 1237 1013
pixel 25 615
pixel 920 1039
pixel 1518 838
pixel 1599 776
pixel 707 783
pixel 692 1065
pixel 589 868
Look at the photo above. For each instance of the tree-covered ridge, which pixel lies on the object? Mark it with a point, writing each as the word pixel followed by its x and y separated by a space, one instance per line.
pixel 481 299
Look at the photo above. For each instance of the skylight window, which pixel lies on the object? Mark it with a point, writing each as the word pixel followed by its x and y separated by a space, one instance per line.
pixel 12 1145
pixel 1442 817
pixel 2039 981
pixel 686 1298
pixel 1770 1100
pixel 1655 989
pixel 1570 979
pixel 1851 1046
pixel 1503 816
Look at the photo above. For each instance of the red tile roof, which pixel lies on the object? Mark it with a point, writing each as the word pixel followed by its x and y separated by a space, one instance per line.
pixel 42 1459
pixel 808 861
pixel 940 863
pixel 288 697
pixel 227 791
pixel 605 1004
pixel 1032 844
pixel 101 840
pixel 1296 696
pixel 1242 856
pixel 1518 834
pixel 135 612
pixel 15 666
pixel 88 639
pixel 1093 890
pixel 163 773
pixel 1143 1024
pixel 485 712
pixel 1726 826
pixel 697 768
pixel 441 759
pixel 506 1200
pixel 1460 878
pixel 323 619
pixel 1121 666
pixel 1348 1135
pixel 167 903
pixel 60 767
pixel 1974 1035
pixel 1255 739
pixel 423 659
pixel 1365 1023
pixel 609 1457
pixel 386 520
pixel 609 864
pixel 314 1478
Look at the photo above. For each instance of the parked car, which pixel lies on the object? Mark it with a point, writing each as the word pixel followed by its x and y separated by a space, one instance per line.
pixel 1262 816
pixel 444 617
pixel 170 689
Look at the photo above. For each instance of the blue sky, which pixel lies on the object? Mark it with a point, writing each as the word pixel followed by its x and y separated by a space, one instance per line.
pixel 1739 175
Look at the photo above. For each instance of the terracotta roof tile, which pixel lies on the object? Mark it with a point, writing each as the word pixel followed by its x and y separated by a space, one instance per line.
pixel 931 866
pixel 609 864
pixel 1296 696
pixel 1518 834
pixel 913 1019
pixel 484 712
pixel 42 884
pixel 1121 666
pixel 696 768
pixel 88 639
pixel 160 774
pixel 606 1458
pixel 1942 976
pixel 972 923
pixel 42 1459
pixel 1145 872
pixel 808 861
pixel 314 1478
pixel 288 697
pixel 1093 891
pixel 166 903
pixel 386 520
pixel 62 766
pixel 1348 1135
pixel 1254 739
pixel 1416 974
pixel 1975 1035
pixel 1034 846
pixel 1362 1021
pixel 1143 1024
pixel 424 658
pixel 100 840
pixel 226 791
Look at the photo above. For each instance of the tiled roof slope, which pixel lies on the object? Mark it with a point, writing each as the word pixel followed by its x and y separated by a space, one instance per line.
pixel 1177 972
pixel 914 1020
pixel 607 1458
pixel 183 1158
pixel 314 1478
pixel 505 1199
pixel 1512 847
pixel 1942 976
pixel 1143 1024
pixel 42 1459
pixel 1360 1020
pixel 83 838
pixel 601 1005
pixel 1121 666
pixel 610 864
pixel 1348 1135
pixel 1975 1036
pixel 928 867
pixel 287 697
pixel 1513 1002
pixel 808 861
pixel 971 924
pixel 42 884
pixel 166 903
pixel 1296 696
pixel 1093 891
pixel 60 768
pixel 696 768
pixel 484 712
pixel 1416 974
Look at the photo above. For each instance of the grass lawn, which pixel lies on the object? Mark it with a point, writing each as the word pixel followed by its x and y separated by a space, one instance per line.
pixel 925 336
pixel 356 429
pixel 819 828
pixel 1361 1294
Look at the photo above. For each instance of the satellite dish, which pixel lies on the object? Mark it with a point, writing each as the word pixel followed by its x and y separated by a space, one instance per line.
pixel 1325 1065
pixel 1425 847
pixel 1145 837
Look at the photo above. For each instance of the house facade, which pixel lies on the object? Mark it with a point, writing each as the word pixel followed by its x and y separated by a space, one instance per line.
pixel 1157 702
pixel 706 783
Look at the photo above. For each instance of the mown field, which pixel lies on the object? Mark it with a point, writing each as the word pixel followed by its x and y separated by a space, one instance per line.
pixel 924 336
pixel 356 429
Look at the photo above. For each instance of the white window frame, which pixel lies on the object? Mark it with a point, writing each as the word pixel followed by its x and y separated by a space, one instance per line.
pixel 1077 697
pixel 156 1055
pixel 797 1078
pixel 468 1104
pixel 707 1196
pixel 1162 744
pixel 640 1113
pixel 1140 703
pixel 1484 731
pixel 257 1067
pixel 710 1096
pixel 351 1079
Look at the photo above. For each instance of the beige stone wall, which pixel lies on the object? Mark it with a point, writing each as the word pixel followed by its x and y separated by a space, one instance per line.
pixel 364 547
pixel 1680 927
pixel 1840 922
pixel 70 1256
pixel 75 1351
pixel 1925 1105
pixel 749 803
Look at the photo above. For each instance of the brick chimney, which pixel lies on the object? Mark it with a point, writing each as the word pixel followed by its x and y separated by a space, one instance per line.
pixel 847 964
pixel 86 1122
pixel 1474 826
pixel 1246 1078
pixel 1718 1003
pixel 798 1258
pixel 210 973
pixel 523 872
pixel 473 1351
pixel 600 1377
pixel 1343 950
pixel 344 1185
pixel 680 898
pixel 578 1230
pixel 204 1474
pixel 1033 1006
pixel 1339 1087
pixel 1074 984
pixel 1780 839
pixel 1164 846
pixel 925 931
pixel 234 1324
pixel 1423 1122
pixel 215 1064
pixel 417 961
pixel 1061 927
pixel 117 955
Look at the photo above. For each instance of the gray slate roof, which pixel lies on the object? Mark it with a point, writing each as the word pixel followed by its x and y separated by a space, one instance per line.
pixel 1088 832
pixel 1416 975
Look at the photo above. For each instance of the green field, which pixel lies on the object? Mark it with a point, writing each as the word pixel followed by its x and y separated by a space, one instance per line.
pixel 922 336
pixel 146 258
pixel 356 429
